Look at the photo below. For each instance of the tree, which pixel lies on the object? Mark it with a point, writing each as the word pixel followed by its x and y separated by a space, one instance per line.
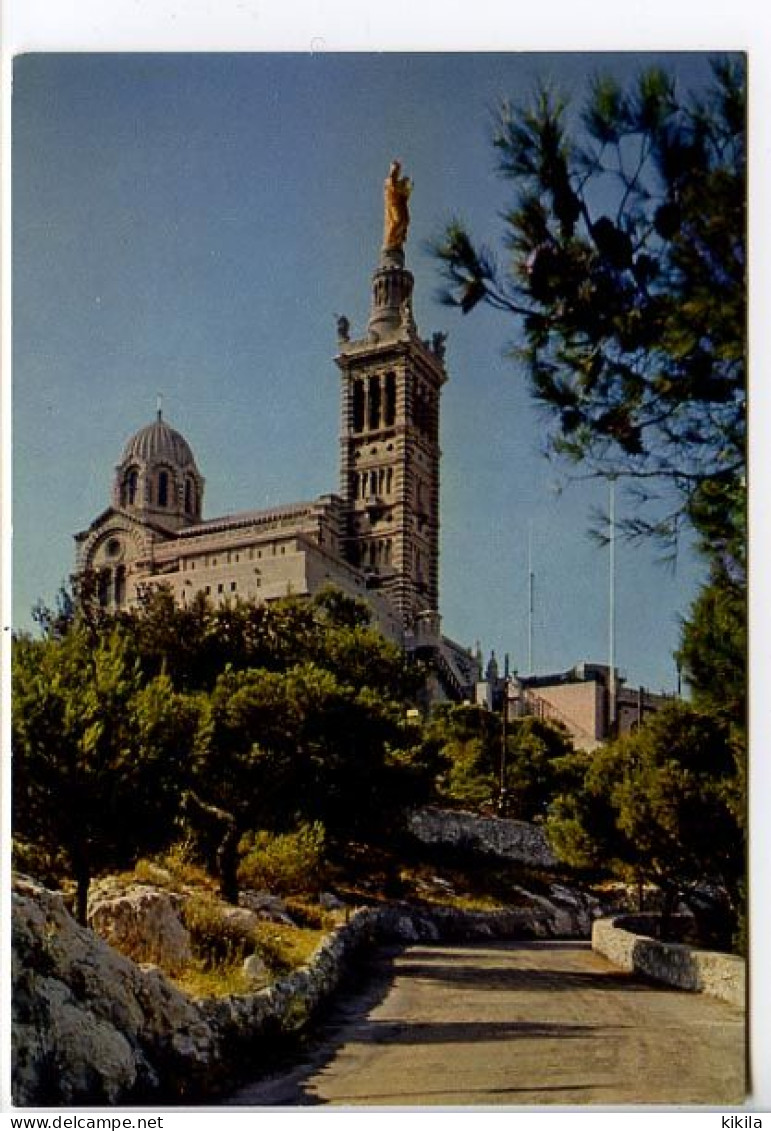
pixel 99 757
pixel 195 643
pixel 713 647
pixel 301 707
pixel 538 756
pixel 625 271
pixel 279 748
pixel 661 806
pixel 470 778
pixel 468 746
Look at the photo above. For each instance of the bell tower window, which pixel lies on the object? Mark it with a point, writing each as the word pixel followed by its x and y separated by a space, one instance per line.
pixel 374 402
pixel 358 406
pixel 390 399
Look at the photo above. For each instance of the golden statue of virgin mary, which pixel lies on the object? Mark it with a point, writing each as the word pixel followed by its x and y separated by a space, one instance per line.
pixel 397 214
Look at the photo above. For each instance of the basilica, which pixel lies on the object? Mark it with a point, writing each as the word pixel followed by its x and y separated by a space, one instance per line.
pixel 377 539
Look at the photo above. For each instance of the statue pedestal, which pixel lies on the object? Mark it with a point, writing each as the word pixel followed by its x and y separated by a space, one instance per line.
pixel 392 257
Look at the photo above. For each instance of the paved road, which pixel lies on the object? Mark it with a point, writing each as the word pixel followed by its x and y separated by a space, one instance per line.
pixel 517 1024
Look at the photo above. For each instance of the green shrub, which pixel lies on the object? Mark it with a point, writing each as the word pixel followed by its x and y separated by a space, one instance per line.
pixel 470 780
pixel 182 863
pixel 217 939
pixel 287 863
pixel 42 864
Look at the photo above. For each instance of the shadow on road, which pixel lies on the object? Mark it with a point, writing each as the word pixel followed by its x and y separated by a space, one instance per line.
pixel 466 1032
pixel 493 978
pixel 447 1098
pixel 348 1017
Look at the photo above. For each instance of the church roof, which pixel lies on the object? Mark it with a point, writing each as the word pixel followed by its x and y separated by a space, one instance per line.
pixel 112 512
pixel 158 443
pixel 289 513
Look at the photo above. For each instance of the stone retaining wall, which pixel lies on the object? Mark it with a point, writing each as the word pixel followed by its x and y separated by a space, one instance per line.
pixel 703 971
pixel 517 841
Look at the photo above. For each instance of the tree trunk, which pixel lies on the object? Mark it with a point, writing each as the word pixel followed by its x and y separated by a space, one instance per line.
pixel 227 853
pixel 227 864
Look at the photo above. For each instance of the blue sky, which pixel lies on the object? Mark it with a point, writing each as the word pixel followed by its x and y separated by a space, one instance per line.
pixel 191 224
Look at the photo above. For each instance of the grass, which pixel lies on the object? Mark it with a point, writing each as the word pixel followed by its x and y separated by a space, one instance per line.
pixel 174 869
pixel 219 943
pixel 281 947
pixel 197 980
pixel 284 948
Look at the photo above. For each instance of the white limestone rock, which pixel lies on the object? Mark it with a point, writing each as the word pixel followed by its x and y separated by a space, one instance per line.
pixel 255 968
pixel 141 922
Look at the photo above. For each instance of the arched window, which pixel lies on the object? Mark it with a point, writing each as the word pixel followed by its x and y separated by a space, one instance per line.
pixel 103 587
pixel 374 402
pixel 163 488
pixel 390 399
pixel 358 406
pixel 120 586
pixel 130 487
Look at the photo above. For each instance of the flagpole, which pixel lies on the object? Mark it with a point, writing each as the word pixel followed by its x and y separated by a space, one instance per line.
pixel 612 611
pixel 530 587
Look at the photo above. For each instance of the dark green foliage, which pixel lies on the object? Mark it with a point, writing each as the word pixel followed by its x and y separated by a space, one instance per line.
pixel 713 647
pixel 286 863
pixel 467 745
pixel 538 766
pixel 280 747
pixel 230 719
pixel 196 643
pixel 626 271
pixel 99 755
pixel 661 805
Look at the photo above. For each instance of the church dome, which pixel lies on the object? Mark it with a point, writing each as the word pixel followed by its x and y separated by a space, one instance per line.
pixel 158 443
pixel 157 476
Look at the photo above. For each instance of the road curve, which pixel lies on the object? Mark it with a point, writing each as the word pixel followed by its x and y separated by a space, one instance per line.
pixel 515 1024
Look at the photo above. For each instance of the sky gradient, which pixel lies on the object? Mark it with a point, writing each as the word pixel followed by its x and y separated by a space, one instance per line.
pixel 190 225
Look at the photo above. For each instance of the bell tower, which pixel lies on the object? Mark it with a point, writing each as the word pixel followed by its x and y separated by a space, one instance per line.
pixel 391 386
